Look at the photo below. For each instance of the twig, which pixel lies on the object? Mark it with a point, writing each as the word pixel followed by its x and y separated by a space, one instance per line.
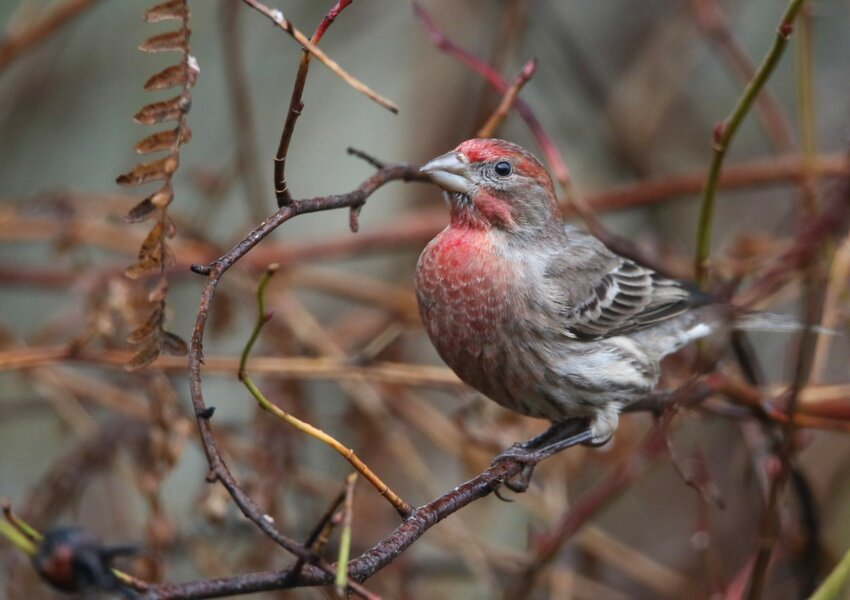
pixel 296 106
pixel 368 563
pixel 709 16
pixel 16 538
pixel 725 132
pixel 17 42
pixel 362 155
pixel 218 468
pixel 23 527
pixel 291 367
pixel 402 507
pixel 278 19
pixel 837 285
pixel 756 172
pixel 314 540
pixel 489 128
pixel 341 582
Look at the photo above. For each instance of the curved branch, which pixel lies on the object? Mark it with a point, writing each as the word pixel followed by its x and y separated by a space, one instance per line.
pixel 218 468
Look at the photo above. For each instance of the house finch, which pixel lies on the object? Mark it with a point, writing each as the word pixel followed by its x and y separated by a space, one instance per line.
pixel 535 314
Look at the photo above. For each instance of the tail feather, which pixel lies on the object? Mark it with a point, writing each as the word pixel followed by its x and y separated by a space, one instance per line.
pixel 765 321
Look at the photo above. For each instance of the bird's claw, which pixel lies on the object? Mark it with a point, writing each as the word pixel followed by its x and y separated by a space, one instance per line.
pixel 528 458
pixel 558 437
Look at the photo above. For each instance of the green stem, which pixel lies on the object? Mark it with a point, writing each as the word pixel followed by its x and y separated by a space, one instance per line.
pixel 345 538
pixel 262 318
pixel 725 132
pixel 18 539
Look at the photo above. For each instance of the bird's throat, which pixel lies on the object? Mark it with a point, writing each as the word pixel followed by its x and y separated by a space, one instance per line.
pixel 481 211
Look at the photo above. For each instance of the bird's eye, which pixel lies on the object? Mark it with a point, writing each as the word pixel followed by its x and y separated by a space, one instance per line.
pixel 503 168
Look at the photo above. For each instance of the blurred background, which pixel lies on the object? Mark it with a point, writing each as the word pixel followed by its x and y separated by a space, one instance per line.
pixel 630 95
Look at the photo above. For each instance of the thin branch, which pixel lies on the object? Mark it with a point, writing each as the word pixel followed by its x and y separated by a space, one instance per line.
pixel 319 532
pixel 402 507
pixel 752 173
pixel 278 19
pixel 725 132
pixel 296 106
pixel 290 367
pixel 710 18
pixel 422 519
pixel 368 563
pixel 16 538
pixel 218 468
pixel 341 582
pixel 489 128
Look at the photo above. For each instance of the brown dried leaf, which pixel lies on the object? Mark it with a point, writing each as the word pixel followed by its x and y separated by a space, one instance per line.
pixel 167 110
pixel 150 171
pixel 185 134
pixel 161 140
pixel 170 10
pixel 165 42
pixel 149 353
pixel 152 246
pixel 174 344
pixel 143 268
pixel 153 326
pixel 163 197
pixel 174 76
pixel 142 211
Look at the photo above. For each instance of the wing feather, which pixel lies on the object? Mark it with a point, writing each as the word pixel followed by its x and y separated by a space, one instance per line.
pixel 604 295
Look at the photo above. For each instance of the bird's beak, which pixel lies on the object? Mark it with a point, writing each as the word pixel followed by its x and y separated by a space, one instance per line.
pixel 450 171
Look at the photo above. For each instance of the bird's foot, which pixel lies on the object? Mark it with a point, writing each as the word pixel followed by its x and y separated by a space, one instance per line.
pixel 558 437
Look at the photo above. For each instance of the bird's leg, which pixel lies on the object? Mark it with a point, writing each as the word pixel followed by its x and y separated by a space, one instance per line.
pixel 558 437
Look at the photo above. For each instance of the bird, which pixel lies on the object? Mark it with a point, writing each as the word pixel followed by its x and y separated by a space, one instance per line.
pixel 536 314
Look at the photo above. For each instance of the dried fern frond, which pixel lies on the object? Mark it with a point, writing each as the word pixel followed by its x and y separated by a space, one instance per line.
pixel 155 255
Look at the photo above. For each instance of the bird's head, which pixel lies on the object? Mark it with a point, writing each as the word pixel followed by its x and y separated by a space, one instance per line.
pixel 496 184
